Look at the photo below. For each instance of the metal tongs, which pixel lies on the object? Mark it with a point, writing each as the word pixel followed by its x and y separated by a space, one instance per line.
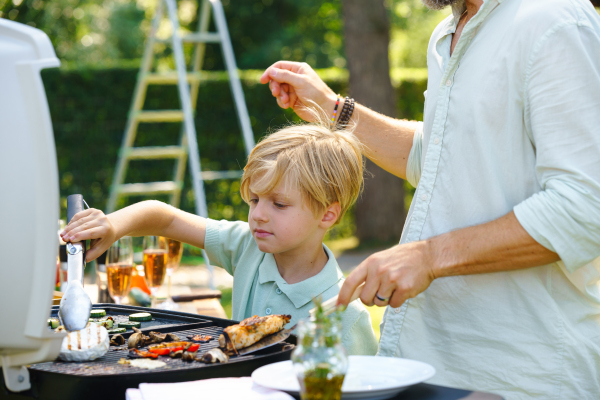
pixel 75 305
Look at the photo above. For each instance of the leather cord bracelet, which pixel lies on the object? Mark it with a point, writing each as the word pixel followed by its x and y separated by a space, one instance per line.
pixel 346 112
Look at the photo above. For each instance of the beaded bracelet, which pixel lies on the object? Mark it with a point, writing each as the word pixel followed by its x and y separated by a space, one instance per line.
pixel 344 109
pixel 337 103
pixel 346 112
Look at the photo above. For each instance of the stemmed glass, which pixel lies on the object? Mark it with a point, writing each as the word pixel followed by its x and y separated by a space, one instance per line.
pixel 155 263
pixel 119 267
pixel 173 260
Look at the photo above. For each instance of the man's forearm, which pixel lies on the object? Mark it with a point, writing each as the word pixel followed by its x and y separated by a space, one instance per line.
pixel 387 140
pixel 499 245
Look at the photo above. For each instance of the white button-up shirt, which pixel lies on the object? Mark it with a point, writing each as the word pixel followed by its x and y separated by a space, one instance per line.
pixel 511 122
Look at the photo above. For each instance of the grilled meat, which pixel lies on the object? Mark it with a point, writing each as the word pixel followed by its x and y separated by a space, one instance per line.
pixel 251 330
pixel 200 338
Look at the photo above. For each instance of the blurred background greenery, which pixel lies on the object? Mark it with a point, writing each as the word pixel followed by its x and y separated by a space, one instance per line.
pixel 100 43
pixel 262 31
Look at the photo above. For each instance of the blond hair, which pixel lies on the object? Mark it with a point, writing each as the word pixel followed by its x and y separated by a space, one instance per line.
pixel 323 162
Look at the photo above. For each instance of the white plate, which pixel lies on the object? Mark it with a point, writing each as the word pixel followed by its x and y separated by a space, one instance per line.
pixel 367 377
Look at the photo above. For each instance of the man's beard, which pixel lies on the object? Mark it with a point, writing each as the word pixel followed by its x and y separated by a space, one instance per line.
pixel 439 4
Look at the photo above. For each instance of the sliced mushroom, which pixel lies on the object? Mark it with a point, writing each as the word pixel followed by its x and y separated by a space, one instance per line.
pixel 171 337
pixel 213 356
pixel 134 340
pixel 157 337
pixel 188 356
pixel 176 354
pixel 117 340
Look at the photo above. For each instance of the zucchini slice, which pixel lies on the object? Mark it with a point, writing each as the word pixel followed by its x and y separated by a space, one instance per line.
pixel 116 330
pixel 143 316
pixel 130 324
pixel 53 323
pixel 97 313
pixel 107 323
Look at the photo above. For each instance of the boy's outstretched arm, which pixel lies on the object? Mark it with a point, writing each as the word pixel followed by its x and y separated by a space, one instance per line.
pixel 141 219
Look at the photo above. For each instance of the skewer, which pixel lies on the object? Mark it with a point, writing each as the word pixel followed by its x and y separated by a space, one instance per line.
pixel 329 305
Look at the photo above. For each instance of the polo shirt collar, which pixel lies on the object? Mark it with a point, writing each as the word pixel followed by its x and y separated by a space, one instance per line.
pixel 303 292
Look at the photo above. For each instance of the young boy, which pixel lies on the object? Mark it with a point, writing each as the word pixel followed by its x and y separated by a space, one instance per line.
pixel 298 182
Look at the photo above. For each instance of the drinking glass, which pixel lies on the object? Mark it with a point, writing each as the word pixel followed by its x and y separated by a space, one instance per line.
pixel 119 267
pixel 156 251
pixel 173 260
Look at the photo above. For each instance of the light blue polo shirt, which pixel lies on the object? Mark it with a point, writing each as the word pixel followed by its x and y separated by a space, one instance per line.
pixel 259 289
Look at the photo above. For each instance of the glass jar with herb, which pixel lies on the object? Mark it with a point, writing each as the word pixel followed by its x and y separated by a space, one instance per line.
pixel 320 360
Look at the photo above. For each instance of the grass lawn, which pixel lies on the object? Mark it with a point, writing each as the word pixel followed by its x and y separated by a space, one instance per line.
pixel 376 317
pixel 376 312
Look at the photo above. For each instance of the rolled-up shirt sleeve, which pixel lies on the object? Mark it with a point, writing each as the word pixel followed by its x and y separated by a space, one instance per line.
pixel 562 113
pixel 413 166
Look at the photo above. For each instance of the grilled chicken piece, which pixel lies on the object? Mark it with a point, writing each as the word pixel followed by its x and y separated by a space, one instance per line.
pixel 251 330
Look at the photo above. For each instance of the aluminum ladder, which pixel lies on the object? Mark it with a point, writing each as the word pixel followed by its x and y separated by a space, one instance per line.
pixel 188 83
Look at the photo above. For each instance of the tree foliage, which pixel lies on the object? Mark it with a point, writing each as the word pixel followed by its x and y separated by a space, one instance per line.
pixel 262 31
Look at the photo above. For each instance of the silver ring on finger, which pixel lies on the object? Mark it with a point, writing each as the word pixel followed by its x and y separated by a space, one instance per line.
pixel 381 298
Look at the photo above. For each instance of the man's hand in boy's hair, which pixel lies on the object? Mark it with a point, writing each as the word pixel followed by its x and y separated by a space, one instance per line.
pixel 297 85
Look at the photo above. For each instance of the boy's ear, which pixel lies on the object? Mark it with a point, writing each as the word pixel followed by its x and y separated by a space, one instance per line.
pixel 331 215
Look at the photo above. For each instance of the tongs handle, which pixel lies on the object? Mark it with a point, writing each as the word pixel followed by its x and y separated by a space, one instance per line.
pixel 74 205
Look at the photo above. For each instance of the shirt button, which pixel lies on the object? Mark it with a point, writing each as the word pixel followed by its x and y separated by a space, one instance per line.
pixel 397 310
pixel 436 141
pixel 424 197
pixel 449 82
pixel 278 291
pixel 268 311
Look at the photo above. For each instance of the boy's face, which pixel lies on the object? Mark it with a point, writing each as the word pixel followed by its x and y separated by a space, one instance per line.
pixel 281 222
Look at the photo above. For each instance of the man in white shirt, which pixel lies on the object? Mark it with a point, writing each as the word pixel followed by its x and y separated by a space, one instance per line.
pixel 495 281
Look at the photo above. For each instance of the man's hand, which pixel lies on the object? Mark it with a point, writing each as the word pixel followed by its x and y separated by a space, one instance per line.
pixel 91 224
pixel 297 85
pixel 406 270
pixel 395 274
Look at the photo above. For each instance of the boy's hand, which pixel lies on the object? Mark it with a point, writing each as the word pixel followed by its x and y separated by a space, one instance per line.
pixel 94 225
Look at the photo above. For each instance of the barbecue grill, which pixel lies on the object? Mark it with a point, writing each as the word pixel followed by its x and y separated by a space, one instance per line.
pixel 105 378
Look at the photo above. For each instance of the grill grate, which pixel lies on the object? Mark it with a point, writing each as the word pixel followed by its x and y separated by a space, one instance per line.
pixel 108 364
pixel 160 319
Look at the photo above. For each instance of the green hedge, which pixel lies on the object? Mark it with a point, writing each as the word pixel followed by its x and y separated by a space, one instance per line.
pixel 89 107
